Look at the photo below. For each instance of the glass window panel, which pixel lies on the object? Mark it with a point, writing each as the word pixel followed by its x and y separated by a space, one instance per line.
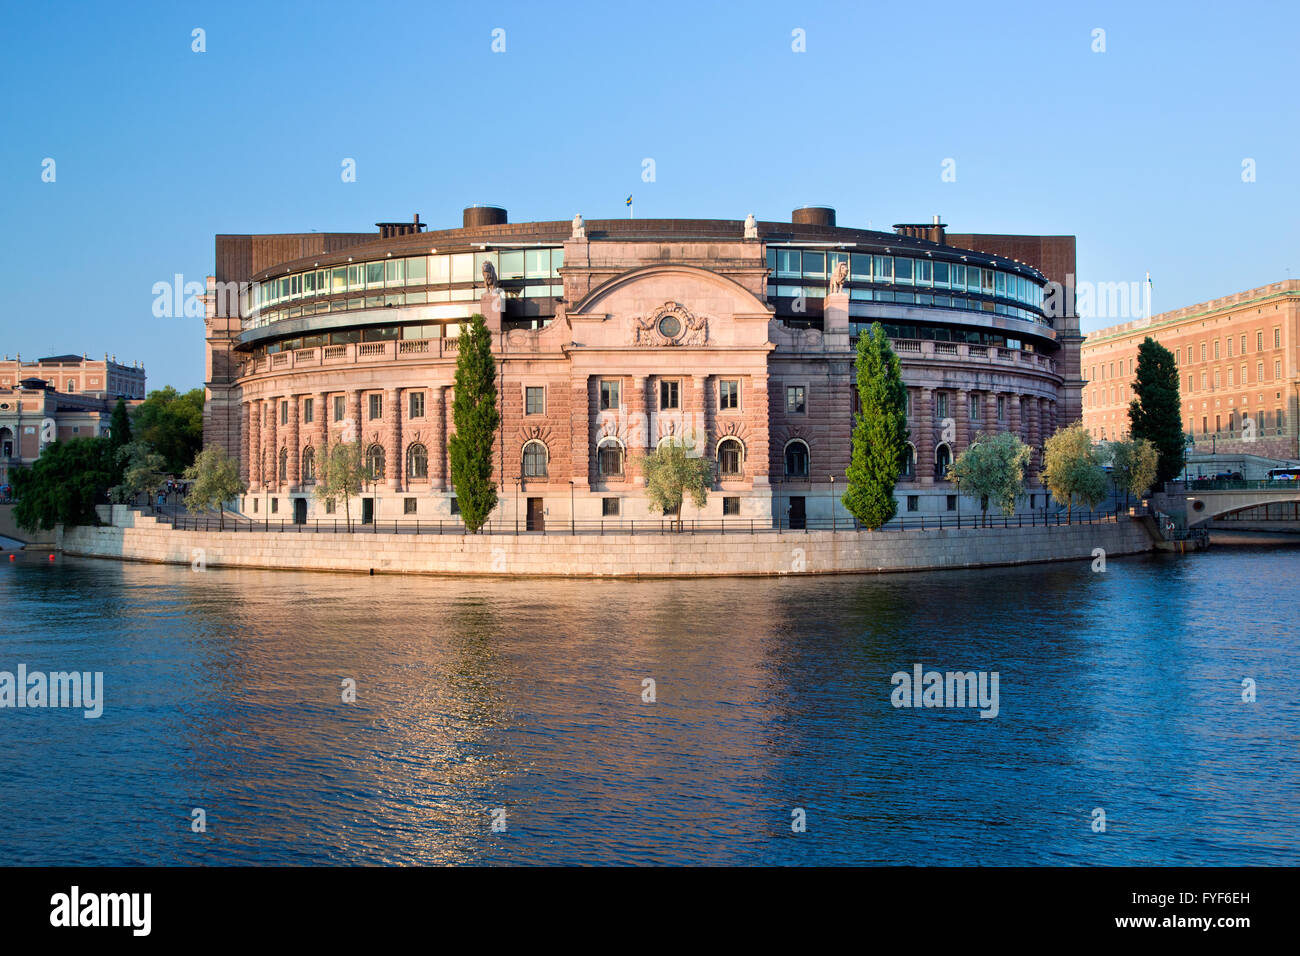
pixel 439 269
pixel 903 271
pixel 987 276
pixel 479 259
pixel 771 260
pixel 1000 283
pixel 374 274
pixel 860 266
pixel 884 271
pixel 356 278
pixel 512 264
pixel 416 271
pixel 462 267
pixel 557 261
pixel 787 262
pixel 814 263
pixel 395 272
pixel 941 275
pixel 340 279
pixel 537 263
pixel 924 271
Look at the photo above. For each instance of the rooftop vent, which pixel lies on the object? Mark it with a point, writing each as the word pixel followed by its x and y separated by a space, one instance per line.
pixel 933 230
pixel 813 216
pixel 484 214
pixel 388 230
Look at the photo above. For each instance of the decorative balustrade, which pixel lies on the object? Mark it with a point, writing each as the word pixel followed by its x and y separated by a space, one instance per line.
pixel 354 353
pixel 982 353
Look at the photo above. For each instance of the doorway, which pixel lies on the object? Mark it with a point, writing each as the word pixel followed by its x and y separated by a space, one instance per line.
pixel 798 517
pixel 536 516
pixel 367 510
pixel 299 510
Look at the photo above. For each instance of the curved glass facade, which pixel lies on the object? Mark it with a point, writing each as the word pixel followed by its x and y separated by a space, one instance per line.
pixel 906 280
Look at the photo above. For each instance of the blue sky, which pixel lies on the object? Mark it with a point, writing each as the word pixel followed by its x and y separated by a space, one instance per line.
pixel 1137 151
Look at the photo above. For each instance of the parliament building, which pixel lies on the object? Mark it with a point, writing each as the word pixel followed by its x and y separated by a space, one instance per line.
pixel 611 336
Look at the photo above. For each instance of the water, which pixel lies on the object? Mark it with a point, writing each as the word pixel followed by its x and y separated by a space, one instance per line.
pixel 1120 691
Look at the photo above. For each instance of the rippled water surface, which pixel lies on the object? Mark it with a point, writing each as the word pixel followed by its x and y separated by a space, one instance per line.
pixel 1120 691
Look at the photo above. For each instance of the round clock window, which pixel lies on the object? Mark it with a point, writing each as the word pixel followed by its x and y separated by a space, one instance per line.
pixel 669 326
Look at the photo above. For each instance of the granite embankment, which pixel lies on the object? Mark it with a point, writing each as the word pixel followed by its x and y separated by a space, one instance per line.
pixel 135 537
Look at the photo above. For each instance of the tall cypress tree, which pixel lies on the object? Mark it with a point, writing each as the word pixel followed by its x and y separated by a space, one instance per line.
pixel 474 411
pixel 879 432
pixel 119 436
pixel 1155 414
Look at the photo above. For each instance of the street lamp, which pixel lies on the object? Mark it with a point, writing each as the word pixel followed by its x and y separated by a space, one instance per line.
pixel 833 527
pixel 572 523
pixel 517 483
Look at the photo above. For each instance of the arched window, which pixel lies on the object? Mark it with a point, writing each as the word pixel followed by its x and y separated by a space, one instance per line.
pixel 417 462
pixel 308 464
pixel 375 462
pixel 609 458
pixel 796 459
pixel 284 464
pixel 731 457
pixel 534 460
pixel 909 461
pixel 942 462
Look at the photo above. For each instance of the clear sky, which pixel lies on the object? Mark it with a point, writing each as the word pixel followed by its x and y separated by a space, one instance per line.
pixel 1137 150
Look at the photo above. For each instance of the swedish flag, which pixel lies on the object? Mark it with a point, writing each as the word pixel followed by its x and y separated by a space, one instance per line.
pixel 628 201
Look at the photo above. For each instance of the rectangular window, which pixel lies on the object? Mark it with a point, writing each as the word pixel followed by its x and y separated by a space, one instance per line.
pixel 731 506
pixel 1202 381
pixel 1277 338
pixel 284 413
pixel 340 404
pixel 1216 348
pixel 1277 370
pixel 408 506
pixel 1202 351
pixel 1259 341
pixel 609 507
pixel 455 506
pixel 952 502
pixel 1002 409
pixel 913 502
pixel 308 411
pixel 534 400
pixel 795 400
pixel 255 503
pixel 1259 371
pixel 669 395
pixel 417 404
pixel 1230 346
pixel 376 403
pixel 974 407
pixel 942 405
pixel 611 394
pixel 329 506
pixel 728 395
pixel 275 506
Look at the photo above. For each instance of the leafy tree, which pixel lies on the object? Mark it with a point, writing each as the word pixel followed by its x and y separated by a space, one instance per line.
pixel 671 475
pixel 119 436
pixel 879 431
pixel 993 467
pixel 63 485
pixel 474 412
pixel 173 424
pixel 1155 414
pixel 215 477
pixel 341 473
pixel 1134 465
pixel 1071 468
pixel 143 470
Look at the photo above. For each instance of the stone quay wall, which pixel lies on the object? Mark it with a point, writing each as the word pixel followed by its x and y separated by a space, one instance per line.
pixel 134 537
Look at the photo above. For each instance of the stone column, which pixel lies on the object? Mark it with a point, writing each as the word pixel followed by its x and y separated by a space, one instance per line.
pixel 1013 415
pixel 961 415
pixel 580 430
pixel 758 461
pixel 695 426
pixel 923 416
pixel 272 440
pixel 354 413
pixel 291 439
pixel 392 433
pixel 1035 434
pixel 438 447
pixel 322 427
pixel 245 443
pixel 637 431
pixel 991 412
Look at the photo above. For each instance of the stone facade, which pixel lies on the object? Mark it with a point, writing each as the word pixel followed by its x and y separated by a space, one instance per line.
pixel 648 330
pixel 1239 372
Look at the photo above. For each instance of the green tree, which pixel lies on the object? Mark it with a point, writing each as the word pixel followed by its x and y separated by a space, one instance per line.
pixel 143 470
pixel 1071 468
pixel 341 473
pixel 215 477
pixel 993 467
pixel 1155 414
pixel 879 431
pixel 63 485
pixel 1134 465
pixel 671 475
pixel 173 424
pixel 474 412
pixel 119 436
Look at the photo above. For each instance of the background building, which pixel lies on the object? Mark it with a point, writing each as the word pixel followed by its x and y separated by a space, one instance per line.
pixel 612 335
pixel 1237 359
pixel 56 398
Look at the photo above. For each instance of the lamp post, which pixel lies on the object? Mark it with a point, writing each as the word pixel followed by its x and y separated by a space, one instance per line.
pixel 517 483
pixel 833 522
pixel 572 522
pixel 957 483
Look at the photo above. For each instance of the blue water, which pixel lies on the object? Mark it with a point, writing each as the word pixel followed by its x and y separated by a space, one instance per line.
pixel 1119 691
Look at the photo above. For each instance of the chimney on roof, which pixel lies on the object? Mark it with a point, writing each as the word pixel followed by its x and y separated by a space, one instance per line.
pixel 933 230
pixel 390 230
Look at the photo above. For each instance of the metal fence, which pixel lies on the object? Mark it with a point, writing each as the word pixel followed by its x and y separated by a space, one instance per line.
pixel 236 524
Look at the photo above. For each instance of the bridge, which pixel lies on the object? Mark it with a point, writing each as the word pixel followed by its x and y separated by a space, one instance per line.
pixel 1207 500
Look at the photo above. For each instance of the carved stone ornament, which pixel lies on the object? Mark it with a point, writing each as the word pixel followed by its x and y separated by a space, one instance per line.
pixel 670 324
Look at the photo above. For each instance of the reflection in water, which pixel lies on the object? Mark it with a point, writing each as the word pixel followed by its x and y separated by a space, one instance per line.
pixel 224 691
